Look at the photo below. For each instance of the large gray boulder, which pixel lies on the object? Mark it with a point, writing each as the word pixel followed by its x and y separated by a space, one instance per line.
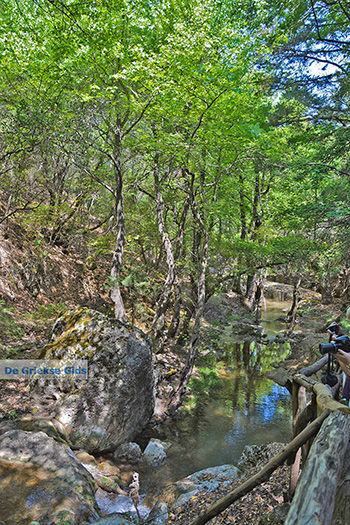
pixel 207 480
pixel 41 480
pixel 117 399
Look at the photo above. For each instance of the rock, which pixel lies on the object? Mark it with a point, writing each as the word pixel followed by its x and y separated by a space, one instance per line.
pixel 159 514
pixel 123 505
pixel 247 331
pixel 113 519
pixel 126 477
pixel 284 292
pixel 278 291
pixel 222 309
pixel 84 457
pixel 128 453
pixel 155 453
pixel 32 424
pixel 108 469
pixel 117 400
pixel 254 454
pixel 5 426
pixel 106 475
pixel 207 480
pixel 40 480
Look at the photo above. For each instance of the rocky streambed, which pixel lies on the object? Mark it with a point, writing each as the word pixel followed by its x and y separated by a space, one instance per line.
pixel 72 459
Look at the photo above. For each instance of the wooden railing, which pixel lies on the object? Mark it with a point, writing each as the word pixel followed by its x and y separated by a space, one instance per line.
pixel 322 494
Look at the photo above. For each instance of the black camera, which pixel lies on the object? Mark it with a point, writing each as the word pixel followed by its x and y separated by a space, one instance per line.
pixel 333 328
pixel 340 343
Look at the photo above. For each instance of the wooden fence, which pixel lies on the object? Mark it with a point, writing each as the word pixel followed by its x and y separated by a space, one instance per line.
pixel 321 442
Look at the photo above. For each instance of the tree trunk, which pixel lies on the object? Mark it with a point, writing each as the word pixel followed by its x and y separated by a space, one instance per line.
pixel 175 399
pixel 250 287
pixel 257 216
pixel 291 316
pixel 171 278
pixel 242 207
pixel 175 322
pixel 256 299
pixel 117 260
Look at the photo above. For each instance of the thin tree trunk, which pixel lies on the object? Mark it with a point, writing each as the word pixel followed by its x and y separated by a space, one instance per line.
pixel 291 316
pixel 251 288
pixel 242 207
pixel 187 371
pixel 117 260
pixel 171 278
pixel 257 216
pixel 175 322
pixel 175 399
pixel 256 299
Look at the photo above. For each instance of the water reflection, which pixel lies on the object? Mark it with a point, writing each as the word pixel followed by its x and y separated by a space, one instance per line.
pixel 272 314
pixel 27 494
pixel 231 404
pixel 254 357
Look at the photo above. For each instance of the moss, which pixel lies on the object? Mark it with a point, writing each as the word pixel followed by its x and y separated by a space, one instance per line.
pixel 77 333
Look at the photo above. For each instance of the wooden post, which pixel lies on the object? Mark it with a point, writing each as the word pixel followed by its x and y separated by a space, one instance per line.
pixel 315 367
pixel 295 400
pixel 313 503
pixel 342 501
pixel 295 467
pixel 313 409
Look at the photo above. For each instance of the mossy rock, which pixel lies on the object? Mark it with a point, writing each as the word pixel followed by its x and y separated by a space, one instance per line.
pixel 117 400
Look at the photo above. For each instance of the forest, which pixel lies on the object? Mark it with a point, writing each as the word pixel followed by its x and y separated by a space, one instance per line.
pixel 157 155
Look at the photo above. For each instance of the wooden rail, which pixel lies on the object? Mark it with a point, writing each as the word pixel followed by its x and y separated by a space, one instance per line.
pixel 314 500
pixel 320 485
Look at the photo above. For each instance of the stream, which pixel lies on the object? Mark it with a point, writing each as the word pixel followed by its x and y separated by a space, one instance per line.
pixel 231 404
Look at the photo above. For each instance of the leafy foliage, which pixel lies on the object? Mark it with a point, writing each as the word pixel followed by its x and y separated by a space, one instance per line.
pixel 94 96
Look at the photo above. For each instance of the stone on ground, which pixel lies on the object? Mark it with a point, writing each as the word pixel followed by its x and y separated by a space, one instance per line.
pixel 155 453
pixel 117 400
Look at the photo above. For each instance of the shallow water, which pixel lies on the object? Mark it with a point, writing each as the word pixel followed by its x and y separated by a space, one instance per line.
pixel 270 313
pixel 25 495
pixel 231 404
